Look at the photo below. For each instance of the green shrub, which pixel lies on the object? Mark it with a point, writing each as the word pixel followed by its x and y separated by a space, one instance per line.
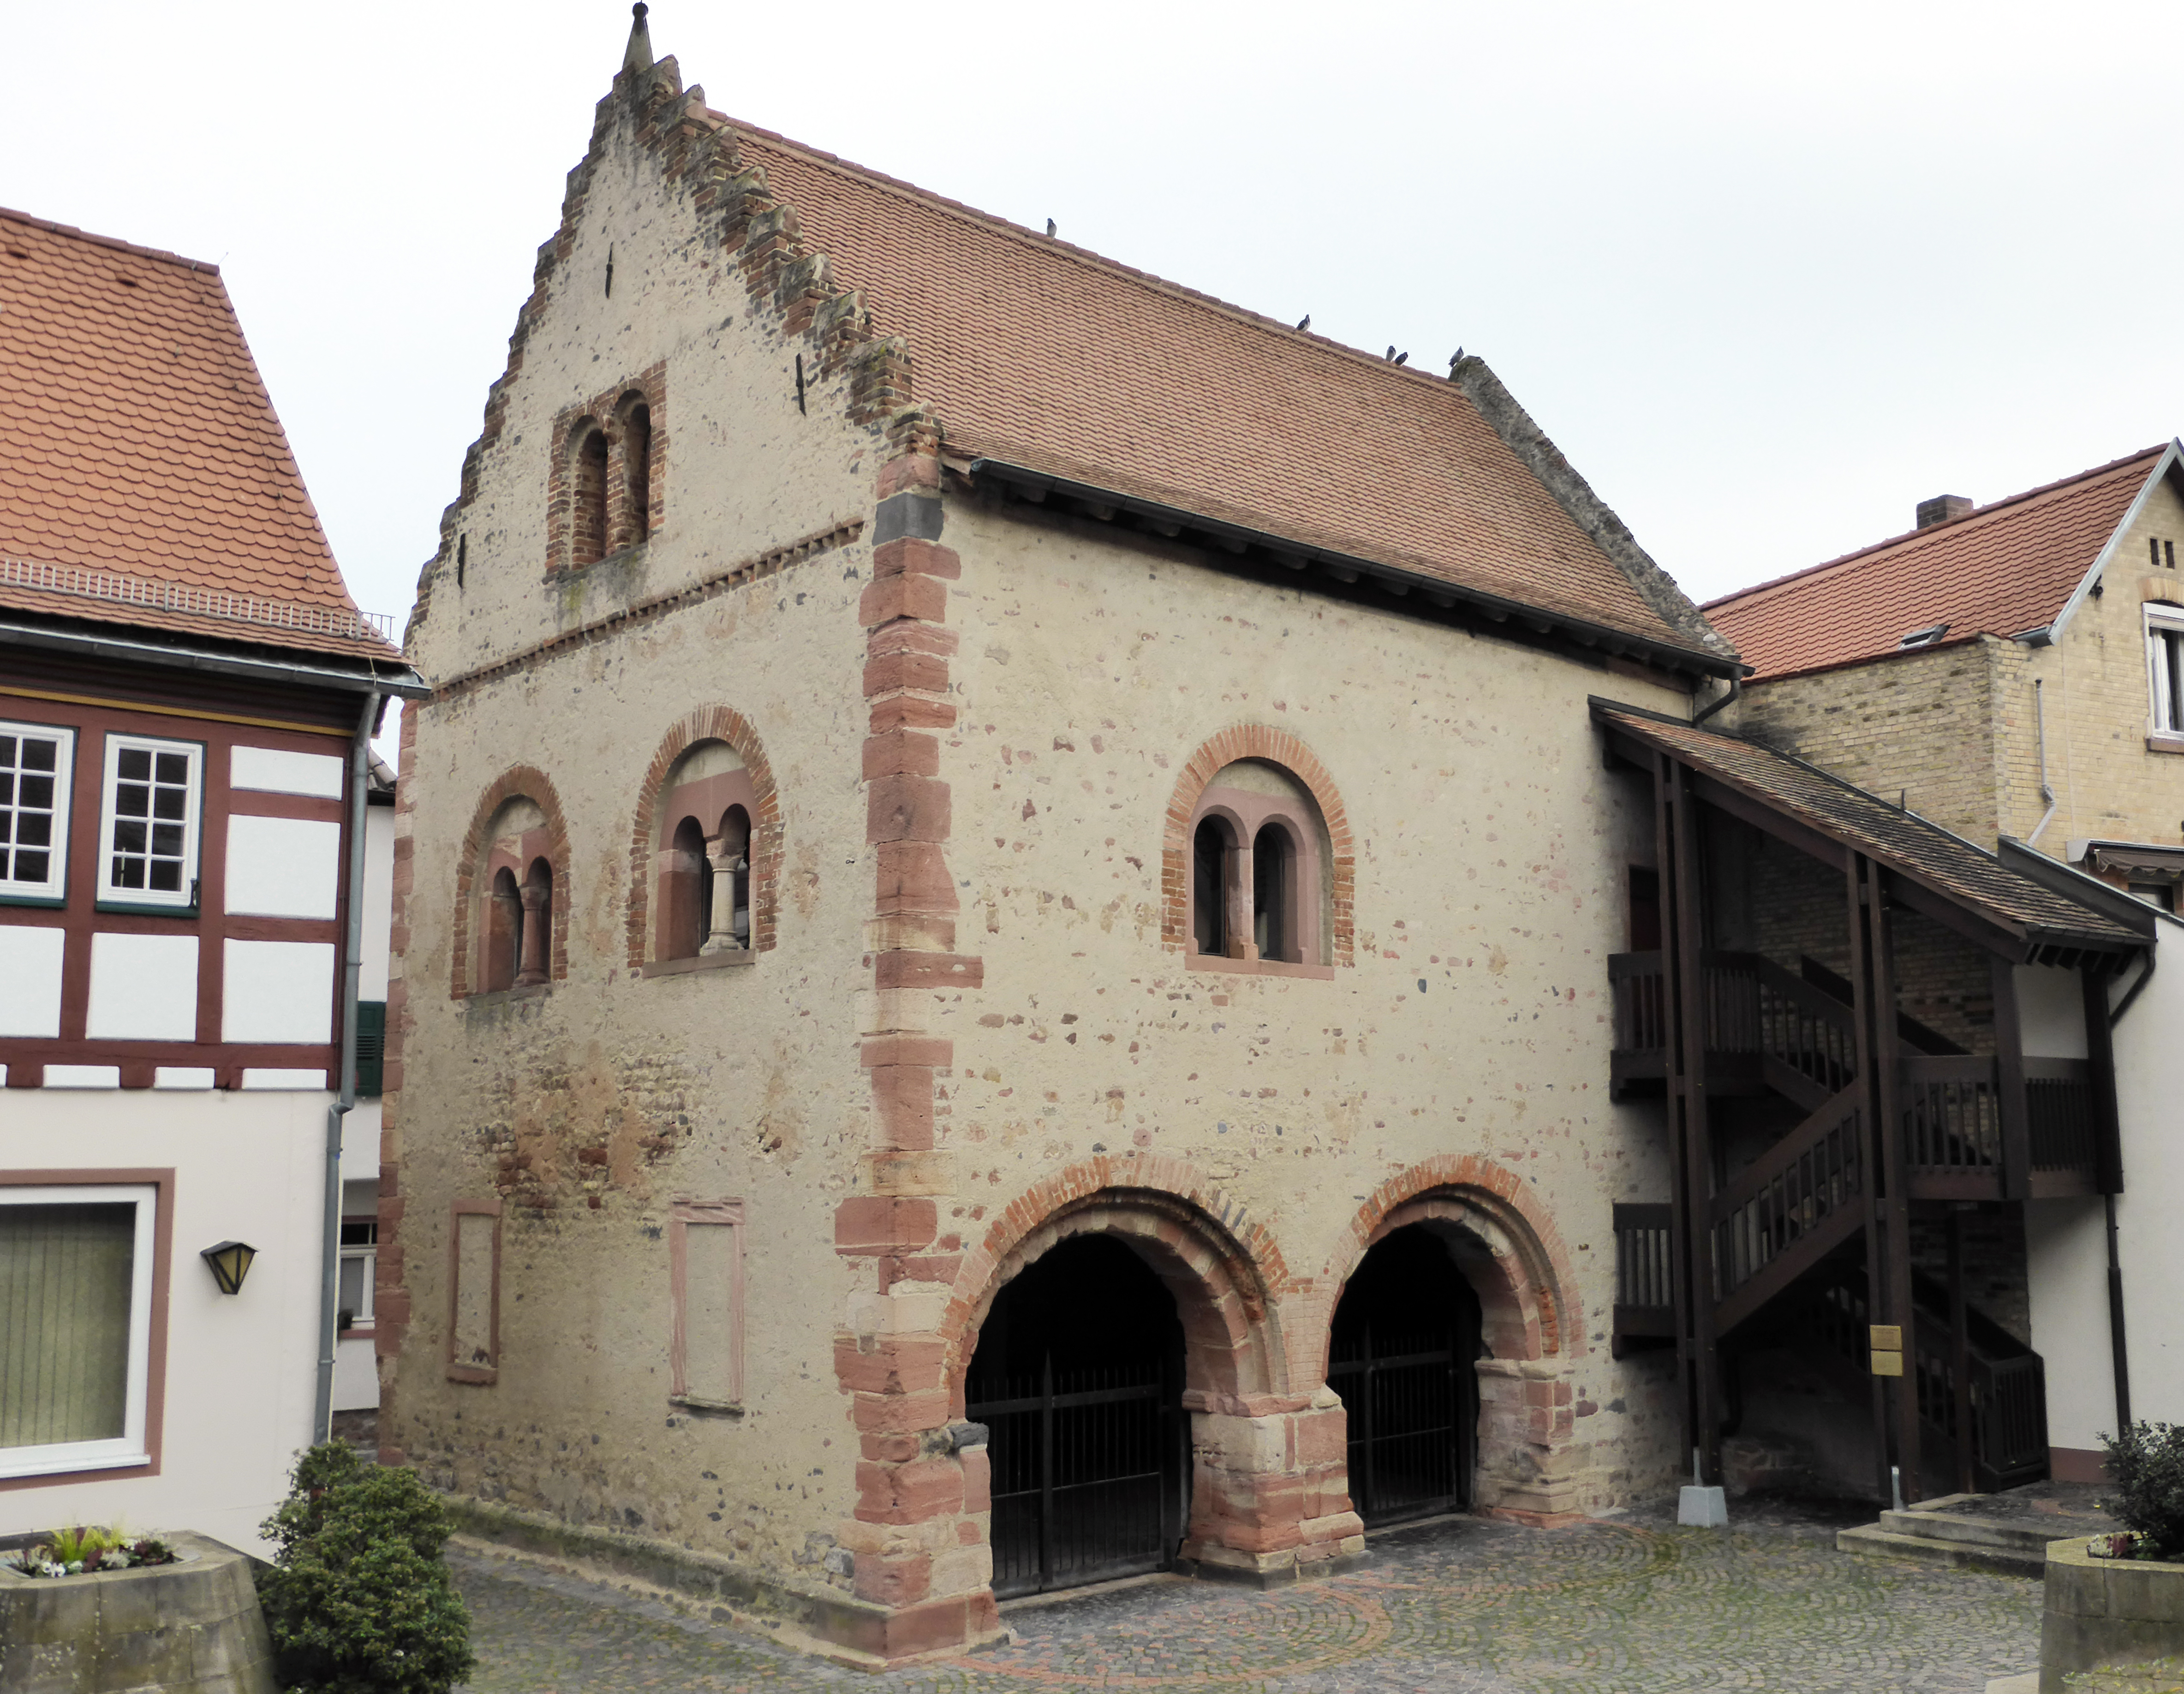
pixel 2146 1463
pixel 358 1599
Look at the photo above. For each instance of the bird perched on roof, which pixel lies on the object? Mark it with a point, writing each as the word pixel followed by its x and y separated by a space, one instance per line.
pixel 1402 358
pixel 1050 225
pixel 1390 355
pixel 1455 359
pixel 1305 322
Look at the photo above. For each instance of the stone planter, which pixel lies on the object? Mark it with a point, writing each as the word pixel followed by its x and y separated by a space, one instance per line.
pixel 2106 1612
pixel 189 1628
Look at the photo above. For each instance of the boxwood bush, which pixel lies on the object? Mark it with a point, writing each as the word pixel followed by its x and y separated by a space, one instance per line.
pixel 2145 1461
pixel 358 1599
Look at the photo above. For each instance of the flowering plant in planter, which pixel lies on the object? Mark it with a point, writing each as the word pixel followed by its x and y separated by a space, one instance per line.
pixel 85 1549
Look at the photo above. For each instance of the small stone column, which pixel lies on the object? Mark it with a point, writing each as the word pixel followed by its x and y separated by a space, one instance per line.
pixel 531 967
pixel 727 862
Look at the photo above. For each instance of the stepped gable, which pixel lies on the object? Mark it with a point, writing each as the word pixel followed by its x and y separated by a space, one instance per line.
pixel 142 458
pixel 1027 349
pixel 2006 568
pixel 1902 840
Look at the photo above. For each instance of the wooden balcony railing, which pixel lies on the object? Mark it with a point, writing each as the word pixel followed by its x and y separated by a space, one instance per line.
pixel 1957 1128
pixel 1645 1284
pixel 1758 1015
pixel 1788 1207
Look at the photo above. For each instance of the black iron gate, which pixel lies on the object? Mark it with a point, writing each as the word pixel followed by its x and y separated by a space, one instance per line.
pixel 1089 1482
pixel 1413 1408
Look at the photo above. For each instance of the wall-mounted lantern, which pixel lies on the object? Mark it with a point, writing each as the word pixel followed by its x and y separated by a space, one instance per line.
pixel 231 1263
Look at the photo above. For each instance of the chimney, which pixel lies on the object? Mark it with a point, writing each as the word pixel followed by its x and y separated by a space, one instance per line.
pixel 1943 509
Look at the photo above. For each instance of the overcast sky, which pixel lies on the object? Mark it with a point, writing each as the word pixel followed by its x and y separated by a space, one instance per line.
pixel 1768 275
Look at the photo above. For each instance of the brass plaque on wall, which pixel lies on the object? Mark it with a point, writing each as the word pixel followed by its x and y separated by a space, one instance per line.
pixel 1887 1362
pixel 1887 1336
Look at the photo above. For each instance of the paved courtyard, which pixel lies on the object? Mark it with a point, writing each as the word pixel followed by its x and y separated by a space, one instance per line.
pixel 1461 1606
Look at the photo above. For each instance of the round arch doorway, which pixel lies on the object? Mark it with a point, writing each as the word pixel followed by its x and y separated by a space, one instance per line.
pixel 1078 1379
pixel 1403 1355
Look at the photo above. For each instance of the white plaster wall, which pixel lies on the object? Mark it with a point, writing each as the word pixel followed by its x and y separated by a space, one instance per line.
pixel 240 1368
pixel 2066 1271
pixel 143 987
pixel 378 901
pixel 2149 1050
pixel 279 991
pixel 31 980
pixel 2051 1010
pixel 274 770
pixel 283 867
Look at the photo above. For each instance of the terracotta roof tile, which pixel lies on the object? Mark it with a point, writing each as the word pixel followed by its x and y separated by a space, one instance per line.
pixel 1902 840
pixel 1034 351
pixel 2007 568
pixel 136 438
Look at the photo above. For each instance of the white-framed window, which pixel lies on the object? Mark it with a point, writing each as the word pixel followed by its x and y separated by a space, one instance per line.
pixel 359 1264
pixel 2165 668
pixel 148 847
pixel 35 762
pixel 76 1325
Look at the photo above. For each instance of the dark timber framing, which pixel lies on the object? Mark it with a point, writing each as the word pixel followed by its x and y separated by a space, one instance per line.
pixel 1890 863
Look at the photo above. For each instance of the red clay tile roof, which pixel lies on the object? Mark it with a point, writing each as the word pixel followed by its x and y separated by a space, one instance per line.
pixel 1041 354
pixel 1906 843
pixel 138 442
pixel 2007 568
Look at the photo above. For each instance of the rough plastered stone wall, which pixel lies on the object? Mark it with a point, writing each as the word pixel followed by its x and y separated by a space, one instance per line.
pixel 586 1107
pixel 1468 1027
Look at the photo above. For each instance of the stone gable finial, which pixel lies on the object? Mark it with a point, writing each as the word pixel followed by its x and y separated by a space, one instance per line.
pixel 638 57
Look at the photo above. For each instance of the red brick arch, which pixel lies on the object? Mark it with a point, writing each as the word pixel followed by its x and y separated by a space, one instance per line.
pixel 709 723
pixel 1227 1276
pixel 519 782
pixel 1528 1290
pixel 1276 747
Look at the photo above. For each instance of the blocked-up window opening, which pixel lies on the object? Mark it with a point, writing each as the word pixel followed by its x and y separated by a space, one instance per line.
pixel 705 1276
pixel 1273 892
pixel 474 1295
pixel 75 1281
pixel 588 516
pixel 637 472
pixel 34 765
pixel 504 931
pixel 689 892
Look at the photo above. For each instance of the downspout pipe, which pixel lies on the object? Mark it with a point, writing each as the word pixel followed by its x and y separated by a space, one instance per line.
pixel 2040 728
pixel 1736 693
pixel 360 783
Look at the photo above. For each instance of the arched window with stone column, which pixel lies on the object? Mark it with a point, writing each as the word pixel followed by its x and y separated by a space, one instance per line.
pixel 706 850
pixel 511 919
pixel 1265 889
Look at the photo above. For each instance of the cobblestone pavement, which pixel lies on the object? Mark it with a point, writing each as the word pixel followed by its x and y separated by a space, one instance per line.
pixel 1464 1607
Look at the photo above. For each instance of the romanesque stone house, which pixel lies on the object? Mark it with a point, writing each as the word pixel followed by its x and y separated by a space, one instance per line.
pixel 1004 912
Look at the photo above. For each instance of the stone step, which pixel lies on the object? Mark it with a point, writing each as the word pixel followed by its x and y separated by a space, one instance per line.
pixel 1872 1541
pixel 1979 1532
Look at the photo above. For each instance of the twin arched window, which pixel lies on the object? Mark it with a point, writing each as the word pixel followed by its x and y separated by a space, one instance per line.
pixel 702 856
pixel 1259 869
pixel 515 940
pixel 610 482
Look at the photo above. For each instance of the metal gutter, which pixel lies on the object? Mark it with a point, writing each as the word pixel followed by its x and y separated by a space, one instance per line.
pixel 402 682
pixel 1343 567
pixel 344 1101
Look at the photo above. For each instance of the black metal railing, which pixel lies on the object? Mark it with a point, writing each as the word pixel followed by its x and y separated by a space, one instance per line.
pixel 1086 1473
pixel 1412 1418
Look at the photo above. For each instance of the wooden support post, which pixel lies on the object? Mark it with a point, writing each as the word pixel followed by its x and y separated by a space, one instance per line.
pixel 1681 1293
pixel 1862 1016
pixel 2016 1148
pixel 2100 1051
pixel 1896 1199
pixel 1687 949
pixel 1960 1358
